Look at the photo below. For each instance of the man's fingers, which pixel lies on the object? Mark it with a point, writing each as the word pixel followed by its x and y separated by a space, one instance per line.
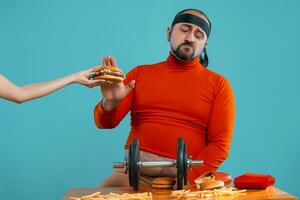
pixel 108 61
pixel 104 61
pixel 113 61
pixel 131 84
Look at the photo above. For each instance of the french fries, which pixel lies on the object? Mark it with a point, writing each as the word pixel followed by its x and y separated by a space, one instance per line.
pixel 188 194
pixel 114 196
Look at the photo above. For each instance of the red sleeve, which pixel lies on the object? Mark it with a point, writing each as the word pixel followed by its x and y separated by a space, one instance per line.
pixel 110 119
pixel 219 133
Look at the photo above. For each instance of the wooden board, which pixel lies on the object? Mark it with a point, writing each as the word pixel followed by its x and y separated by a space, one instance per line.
pixel 271 193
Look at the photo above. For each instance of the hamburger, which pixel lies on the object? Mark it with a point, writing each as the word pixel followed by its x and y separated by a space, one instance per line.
pixel 163 183
pixel 211 184
pixel 210 180
pixel 107 73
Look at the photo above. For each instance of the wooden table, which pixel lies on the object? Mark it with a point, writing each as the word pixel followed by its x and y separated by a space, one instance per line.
pixel 271 193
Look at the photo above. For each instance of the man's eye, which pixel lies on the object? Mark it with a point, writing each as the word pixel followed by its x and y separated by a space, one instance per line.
pixel 184 30
pixel 199 35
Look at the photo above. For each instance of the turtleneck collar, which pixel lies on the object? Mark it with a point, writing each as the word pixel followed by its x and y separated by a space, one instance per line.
pixel 183 65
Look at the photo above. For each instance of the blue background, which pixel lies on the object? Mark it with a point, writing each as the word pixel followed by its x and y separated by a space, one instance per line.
pixel 50 145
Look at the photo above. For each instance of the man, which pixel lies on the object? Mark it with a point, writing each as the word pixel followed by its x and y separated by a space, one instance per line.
pixel 175 98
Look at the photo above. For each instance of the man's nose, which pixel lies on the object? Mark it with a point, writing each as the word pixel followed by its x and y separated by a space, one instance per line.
pixel 190 37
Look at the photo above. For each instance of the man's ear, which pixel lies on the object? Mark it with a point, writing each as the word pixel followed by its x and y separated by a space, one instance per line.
pixel 168 33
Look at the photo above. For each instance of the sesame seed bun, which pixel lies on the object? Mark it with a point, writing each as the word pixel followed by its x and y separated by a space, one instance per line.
pixel 211 184
pixel 164 181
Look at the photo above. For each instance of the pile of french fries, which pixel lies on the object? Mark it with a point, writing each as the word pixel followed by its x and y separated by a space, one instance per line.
pixel 188 194
pixel 113 196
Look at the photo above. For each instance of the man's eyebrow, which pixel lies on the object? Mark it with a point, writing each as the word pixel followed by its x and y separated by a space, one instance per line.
pixel 190 26
pixel 200 30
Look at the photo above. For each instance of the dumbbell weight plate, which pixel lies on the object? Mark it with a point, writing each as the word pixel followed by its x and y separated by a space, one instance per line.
pixel 185 163
pixel 130 154
pixel 134 158
pixel 180 163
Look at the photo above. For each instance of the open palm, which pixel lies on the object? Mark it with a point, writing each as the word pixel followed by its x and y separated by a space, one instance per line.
pixel 111 91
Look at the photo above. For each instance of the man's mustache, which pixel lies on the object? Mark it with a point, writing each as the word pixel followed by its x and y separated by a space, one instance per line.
pixel 187 43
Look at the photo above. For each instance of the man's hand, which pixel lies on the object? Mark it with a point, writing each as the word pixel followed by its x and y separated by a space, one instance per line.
pixel 112 92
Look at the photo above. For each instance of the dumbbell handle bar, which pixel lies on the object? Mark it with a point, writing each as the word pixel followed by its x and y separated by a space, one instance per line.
pixel 149 164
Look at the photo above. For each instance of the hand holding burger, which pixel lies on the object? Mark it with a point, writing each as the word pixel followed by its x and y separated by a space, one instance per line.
pixel 112 88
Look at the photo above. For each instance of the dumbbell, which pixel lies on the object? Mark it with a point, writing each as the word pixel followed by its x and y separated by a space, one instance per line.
pixel 132 164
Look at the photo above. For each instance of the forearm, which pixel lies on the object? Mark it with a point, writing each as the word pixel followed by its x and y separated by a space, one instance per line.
pixel 36 90
pixel 104 119
pixel 212 156
pixel 109 105
pixel 109 119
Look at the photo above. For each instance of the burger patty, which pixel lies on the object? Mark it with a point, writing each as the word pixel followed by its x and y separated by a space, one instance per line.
pixel 111 73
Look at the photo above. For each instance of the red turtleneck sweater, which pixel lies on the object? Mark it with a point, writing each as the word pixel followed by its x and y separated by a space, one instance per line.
pixel 175 99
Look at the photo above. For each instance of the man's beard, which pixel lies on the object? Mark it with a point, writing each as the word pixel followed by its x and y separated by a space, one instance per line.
pixel 182 54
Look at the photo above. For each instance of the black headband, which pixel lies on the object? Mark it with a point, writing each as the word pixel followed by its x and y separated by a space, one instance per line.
pixel 192 19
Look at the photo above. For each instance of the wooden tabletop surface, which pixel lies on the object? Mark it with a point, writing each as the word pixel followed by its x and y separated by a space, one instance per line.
pixel 271 193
